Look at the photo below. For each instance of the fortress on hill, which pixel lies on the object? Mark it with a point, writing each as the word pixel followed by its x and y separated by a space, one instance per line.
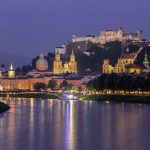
pixel 109 36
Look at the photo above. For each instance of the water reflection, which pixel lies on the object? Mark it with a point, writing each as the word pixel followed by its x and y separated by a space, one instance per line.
pixel 74 125
pixel 70 126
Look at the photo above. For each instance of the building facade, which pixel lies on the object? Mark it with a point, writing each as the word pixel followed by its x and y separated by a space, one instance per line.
pixel 109 36
pixel 67 67
pixel 125 64
pixel 61 50
pixel 41 67
pixel 28 83
pixel 11 72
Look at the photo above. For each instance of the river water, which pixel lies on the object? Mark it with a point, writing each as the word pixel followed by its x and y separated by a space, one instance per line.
pixel 74 125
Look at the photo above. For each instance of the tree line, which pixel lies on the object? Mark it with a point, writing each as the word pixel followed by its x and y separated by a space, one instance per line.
pixel 52 84
pixel 120 82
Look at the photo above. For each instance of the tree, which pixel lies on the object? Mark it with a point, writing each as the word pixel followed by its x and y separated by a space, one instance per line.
pixel 2 65
pixel 80 89
pixel 26 68
pixel 65 85
pixel 18 69
pixel 39 86
pixel 52 84
pixel 34 62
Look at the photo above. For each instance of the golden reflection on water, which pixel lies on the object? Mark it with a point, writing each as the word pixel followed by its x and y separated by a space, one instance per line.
pixel 71 125
pixel 68 125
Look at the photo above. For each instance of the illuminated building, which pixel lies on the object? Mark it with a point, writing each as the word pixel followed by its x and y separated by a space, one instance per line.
pixel 41 67
pixel 60 50
pixel 11 72
pixel 126 64
pixel 57 65
pixel 28 83
pixel 109 36
pixel 41 63
pixel 72 64
pixel 67 67
pixel 146 62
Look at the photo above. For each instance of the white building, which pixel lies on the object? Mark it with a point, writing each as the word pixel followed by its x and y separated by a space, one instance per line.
pixel 60 50
pixel 90 38
pixel 109 36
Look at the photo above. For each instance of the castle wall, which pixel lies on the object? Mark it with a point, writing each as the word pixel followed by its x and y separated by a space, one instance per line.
pixel 109 36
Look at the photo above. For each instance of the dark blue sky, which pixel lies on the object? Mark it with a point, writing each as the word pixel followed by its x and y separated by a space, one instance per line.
pixel 27 26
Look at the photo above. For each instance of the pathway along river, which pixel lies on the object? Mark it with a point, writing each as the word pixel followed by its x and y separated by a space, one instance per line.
pixel 74 125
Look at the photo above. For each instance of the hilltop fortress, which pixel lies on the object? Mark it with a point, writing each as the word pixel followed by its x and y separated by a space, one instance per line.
pixel 109 36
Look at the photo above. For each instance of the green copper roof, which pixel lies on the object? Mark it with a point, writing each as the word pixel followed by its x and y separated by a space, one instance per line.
pixel 41 61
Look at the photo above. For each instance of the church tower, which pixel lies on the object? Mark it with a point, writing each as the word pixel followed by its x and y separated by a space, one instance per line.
pixel 146 62
pixel 73 64
pixel 57 66
pixel 11 72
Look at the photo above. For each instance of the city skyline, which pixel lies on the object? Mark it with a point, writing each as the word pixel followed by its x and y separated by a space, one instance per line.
pixel 74 75
pixel 28 27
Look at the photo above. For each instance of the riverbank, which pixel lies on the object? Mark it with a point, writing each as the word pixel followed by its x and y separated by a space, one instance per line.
pixel 3 107
pixel 116 98
pixel 32 95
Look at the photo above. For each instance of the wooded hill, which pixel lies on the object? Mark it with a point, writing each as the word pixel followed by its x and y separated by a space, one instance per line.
pixel 92 58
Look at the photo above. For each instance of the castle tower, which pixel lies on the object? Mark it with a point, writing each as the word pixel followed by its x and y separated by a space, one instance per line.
pixel 72 64
pixel 146 62
pixel 57 65
pixel 11 72
pixel 139 32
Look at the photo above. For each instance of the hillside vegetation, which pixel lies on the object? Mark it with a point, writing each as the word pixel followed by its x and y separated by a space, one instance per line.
pixel 92 55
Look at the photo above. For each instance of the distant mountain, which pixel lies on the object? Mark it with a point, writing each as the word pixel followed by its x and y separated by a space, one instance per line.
pixel 16 60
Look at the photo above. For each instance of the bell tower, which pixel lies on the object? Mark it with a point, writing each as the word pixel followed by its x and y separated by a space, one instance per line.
pixel 11 72
pixel 72 63
pixel 146 62
pixel 57 65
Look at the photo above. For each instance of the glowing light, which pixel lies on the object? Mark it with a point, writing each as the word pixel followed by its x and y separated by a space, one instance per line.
pixel 70 96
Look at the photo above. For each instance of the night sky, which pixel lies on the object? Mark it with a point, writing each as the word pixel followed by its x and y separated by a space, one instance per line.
pixel 29 26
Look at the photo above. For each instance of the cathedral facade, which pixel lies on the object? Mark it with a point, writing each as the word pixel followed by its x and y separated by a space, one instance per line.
pixel 67 67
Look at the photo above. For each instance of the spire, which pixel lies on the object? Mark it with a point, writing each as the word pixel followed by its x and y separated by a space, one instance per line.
pixel 41 54
pixel 11 66
pixel 72 57
pixel 11 72
pixel 146 62
pixel 127 50
pixel 72 53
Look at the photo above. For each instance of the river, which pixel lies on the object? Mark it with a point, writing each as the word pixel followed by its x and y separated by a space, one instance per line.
pixel 33 124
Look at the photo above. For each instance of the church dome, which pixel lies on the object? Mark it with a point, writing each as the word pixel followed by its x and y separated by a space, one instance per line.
pixel 41 63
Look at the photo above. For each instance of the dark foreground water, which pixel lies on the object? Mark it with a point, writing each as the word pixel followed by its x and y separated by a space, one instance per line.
pixel 74 125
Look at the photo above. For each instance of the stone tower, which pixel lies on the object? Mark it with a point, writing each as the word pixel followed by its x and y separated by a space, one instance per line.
pixel 11 72
pixel 57 66
pixel 146 62
pixel 72 64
